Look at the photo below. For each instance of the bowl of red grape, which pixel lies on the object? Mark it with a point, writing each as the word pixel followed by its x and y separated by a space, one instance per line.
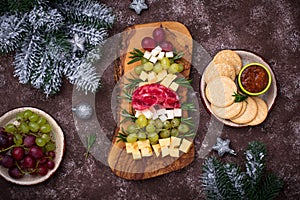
pixel 31 146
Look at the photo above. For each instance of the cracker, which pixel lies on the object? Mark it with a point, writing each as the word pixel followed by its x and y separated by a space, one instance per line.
pixel 229 57
pixel 229 111
pixel 244 105
pixel 219 91
pixel 261 113
pixel 222 69
pixel 249 114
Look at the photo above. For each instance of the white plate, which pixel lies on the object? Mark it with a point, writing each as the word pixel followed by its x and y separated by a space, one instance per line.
pixel 57 134
pixel 269 96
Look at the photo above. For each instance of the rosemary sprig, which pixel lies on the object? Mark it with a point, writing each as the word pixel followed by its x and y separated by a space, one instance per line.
pixel 177 56
pixel 136 55
pixel 188 121
pixel 122 137
pixel 91 139
pixel 127 96
pixel 127 116
pixel 239 97
pixel 190 134
pixel 133 83
pixel 188 106
pixel 184 82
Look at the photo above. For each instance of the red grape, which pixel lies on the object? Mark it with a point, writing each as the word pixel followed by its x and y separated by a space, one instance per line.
pixel 36 152
pixel 18 153
pixel 51 154
pixel 50 164
pixel 148 43
pixel 14 172
pixel 29 162
pixel 7 161
pixel 166 46
pixel 159 35
pixel 42 170
pixel 29 141
pixel 43 161
pixel 3 140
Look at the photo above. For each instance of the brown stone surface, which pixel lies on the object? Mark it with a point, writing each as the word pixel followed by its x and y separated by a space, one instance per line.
pixel 268 28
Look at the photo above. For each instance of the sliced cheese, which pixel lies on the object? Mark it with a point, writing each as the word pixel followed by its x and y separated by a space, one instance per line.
pixel 165 151
pixel 174 152
pixel 161 75
pixel 152 77
pixel 168 80
pixel 177 112
pixel 170 54
pixel 147 54
pixel 175 142
pixel 174 86
pixel 170 114
pixel 143 76
pixel 161 55
pixel 136 155
pixel 157 149
pixel 164 142
pixel 147 152
pixel 185 145
pixel 131 147
pixel 143 144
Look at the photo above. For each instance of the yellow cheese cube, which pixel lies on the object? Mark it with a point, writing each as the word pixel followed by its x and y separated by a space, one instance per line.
pixel 175 142
pixel 130 147
pixel 136 155
pixel 185 145
pixel 165 151
pixel 143 144
pixel 157 149
pixel 174 86
pixel 174 152
pixel 161 75
pixel 152 77
pixel 147 151
pixel 143 76
pixel 168 80
pixel 164 142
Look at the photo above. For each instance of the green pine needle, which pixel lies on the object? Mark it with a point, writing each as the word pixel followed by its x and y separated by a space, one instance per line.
pixel 91 139
pixel 127 116
pixel 183 82
pixel 137 55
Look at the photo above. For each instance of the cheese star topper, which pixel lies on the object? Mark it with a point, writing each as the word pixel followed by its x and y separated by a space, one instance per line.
pixel 77 43
pixel 222 146
pixel 138 6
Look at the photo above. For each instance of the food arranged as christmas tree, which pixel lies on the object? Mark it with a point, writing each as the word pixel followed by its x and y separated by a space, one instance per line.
pixel 155 134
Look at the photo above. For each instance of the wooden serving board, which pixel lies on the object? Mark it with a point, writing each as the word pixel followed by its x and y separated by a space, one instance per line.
pixel 121 163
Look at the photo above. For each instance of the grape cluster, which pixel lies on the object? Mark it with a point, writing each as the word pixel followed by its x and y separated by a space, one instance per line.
pixel 27 148
pixel 154 130
pixel 159 38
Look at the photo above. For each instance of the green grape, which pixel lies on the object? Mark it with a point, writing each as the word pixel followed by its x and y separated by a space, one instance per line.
pixel 173 69
pixel 27 114
pixel 144 60
pixel 153 137
pixel 150 128
pixel 46 137
pixel 132 137
pixel 132 129
pixel 34 127
pixel 18 139
pixel 157 67
pixel 142 136
pixel 50 146
pixel 24 128
pixel 165 133
pixel 159 124
pixel 20 117
pixel 180 68
pixel 174 132
pixel 40 142
pixel 41 121
pixel 45 128
pixel 10 128
pixel 151 121
pixel 175 122
pixel 148 66
pixel 141 121
pixel 183 128
pixel 167 124
pixel 34 117
pixel 165 62
pixel 138 70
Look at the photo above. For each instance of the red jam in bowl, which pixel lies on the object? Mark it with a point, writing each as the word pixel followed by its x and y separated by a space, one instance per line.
pixel 254 79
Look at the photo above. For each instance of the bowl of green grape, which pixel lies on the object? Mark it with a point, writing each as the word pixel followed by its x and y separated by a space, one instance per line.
pixel 31 146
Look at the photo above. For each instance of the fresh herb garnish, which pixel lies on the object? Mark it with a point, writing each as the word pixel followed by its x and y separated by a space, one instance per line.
pixel 177 56
pixel 184 82
pixel 239 97
pixel 127 116
pixel 188 121
pixel 127 96
pixel 122 137
pixel 188 106
pixel 133 83
pixel 136 55
pixel 91 139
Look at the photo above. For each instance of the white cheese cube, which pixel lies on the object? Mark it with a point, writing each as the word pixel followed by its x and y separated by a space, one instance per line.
pixel 152 77
pixel 168 80
pixel 148 114
pixel 177 112
pixel 185 145
pixel 163 118
pixel 174 152
pixel 169 54
pixel 158 48
pixel 157 149
pixel 131 147
pixel 161 111
pixel 147 55
pixel 170 114
pixel 138 113
pixel 161 55
pixel 165 151
pixel 136 155
pixel 143 76
pixel 143 144
pixel 156 51
pixel 161 75
pixel 175 142
pixel 164 142
pixel 153 59
pixel 154 114
pixel 147 152
pixel 174 86
pixel 143 83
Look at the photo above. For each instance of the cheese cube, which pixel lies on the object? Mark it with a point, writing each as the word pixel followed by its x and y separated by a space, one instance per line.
pixel 161 55
pixel 156 51
pixel 169 54
pixel 163 118
pixel 168 80
pixel 152 77
pixel 174 152
pixel 175 142
pixel 177 112
pixel 157 149
pixel 170 114
pixel 136 155
pixel 165 151
pixel 143 83
pixel 185 145
pixel 143 144
pixel 131 147
pixel 161 111
pixel 174 86
pixel 147 152
pixel 148 114
pixel 154 114
pixel 164 142
pixel 138 113
pixel 147 55
pixel 143 76
pixel 161 75
pixel 153 59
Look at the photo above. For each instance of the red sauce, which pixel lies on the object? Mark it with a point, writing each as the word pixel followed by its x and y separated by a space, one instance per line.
pixel 254 79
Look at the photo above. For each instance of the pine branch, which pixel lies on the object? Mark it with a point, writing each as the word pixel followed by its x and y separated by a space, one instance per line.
pixel 270 188
pixel 53 79
pixel 20 6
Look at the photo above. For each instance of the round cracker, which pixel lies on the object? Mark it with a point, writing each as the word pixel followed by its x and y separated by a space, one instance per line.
pixel 244 105
pixel 229 111
pixel 219 91
pixel 249 114
pixel 261 113
pixel 229 57
pixel 222 69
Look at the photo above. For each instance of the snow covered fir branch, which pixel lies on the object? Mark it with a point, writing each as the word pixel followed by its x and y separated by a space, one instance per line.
pixel 227 181
pixel 53 39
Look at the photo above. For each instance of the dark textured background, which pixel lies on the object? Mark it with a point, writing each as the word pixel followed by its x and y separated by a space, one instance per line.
pixel 269 28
